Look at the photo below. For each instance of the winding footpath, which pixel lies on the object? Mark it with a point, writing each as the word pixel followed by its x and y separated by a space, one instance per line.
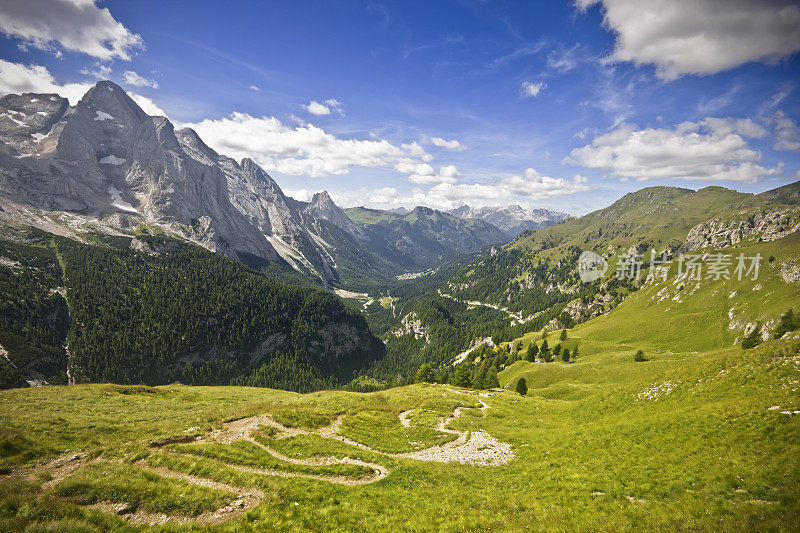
pixel 469 447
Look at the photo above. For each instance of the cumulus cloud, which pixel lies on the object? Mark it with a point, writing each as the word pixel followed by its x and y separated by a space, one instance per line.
pixel 700 36
pixel 787 133
pixel 710 150
pixel 523 189
pixel 325 108
pixel 304 195
pixel 530 89
pixel 132 78
pixel 17 78
pixel 424 174
pixel 447 145
pixel 147 105
pixel 381 197
pixel 511 189
pixel 303 149
pixel 75 25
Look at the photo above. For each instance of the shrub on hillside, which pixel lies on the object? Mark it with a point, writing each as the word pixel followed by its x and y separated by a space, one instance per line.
pixel 522 387
pixel 752 340
pixel 565 355
pixel 639 357
pixel 789 322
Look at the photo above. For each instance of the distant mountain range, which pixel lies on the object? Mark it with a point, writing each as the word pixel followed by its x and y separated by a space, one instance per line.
pixel 512 219
pixel 105 164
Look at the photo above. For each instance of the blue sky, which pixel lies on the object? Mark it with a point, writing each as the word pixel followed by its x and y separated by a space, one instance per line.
pixel 549 104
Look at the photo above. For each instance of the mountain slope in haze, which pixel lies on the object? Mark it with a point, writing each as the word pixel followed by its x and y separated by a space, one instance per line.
pixel 416 240
pixel 512 219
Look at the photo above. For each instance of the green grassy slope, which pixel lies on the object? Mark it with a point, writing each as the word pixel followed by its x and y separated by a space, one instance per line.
pixel 674 322
pixel 703 452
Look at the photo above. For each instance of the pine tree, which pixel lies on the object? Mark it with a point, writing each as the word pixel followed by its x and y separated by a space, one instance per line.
pixel 575 353
pixel 639 357
pixel 522 387
pixel 563 335
pixel 462 376
pixel 557 349
pixel 565 355
pixel 533 351
pixel 426 374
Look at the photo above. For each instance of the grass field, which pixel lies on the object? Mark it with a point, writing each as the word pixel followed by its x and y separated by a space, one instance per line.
pixel 677 443
pixel 701 436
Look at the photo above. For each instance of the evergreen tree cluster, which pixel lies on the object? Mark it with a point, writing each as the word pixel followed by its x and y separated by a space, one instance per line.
pixel 33 313
pixel 195 316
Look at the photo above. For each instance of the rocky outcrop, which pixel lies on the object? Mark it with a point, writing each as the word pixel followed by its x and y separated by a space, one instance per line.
pixel 765 224
pixel 411 324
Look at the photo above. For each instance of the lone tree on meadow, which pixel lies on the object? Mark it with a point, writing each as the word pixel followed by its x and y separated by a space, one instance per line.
pixel 565 355
pixel 522 387
pixel 575 353
pixel 639 357
pixel 563 336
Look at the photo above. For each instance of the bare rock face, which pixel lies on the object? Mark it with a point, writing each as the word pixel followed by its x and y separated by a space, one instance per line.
pixel 768 224
pixel 107 159
pixel 106 155
pixel 322 207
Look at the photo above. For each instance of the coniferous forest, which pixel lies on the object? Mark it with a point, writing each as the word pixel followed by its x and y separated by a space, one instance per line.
pixel 172 312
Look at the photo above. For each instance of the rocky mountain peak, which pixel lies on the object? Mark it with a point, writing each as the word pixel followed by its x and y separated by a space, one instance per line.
pixel 109 101
pixel 323 207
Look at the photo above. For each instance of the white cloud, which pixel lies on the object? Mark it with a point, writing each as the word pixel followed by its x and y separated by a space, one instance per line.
pixel 787 133
pixel 304 149
pixel 512 189
pixel 75 25
pixel 17 78
pixel 254 88
pixel 132 78
pixel 99 71
pixel 563 59
pixel 325 108
pixel 147 105
pixel 448 145
pixel 530 89
pixel 304 195
pixel 700 36
pixel 382 197
pixel 711 150
pixel 424 174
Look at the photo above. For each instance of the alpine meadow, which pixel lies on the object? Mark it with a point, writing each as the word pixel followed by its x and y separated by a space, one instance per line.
pixel 400 266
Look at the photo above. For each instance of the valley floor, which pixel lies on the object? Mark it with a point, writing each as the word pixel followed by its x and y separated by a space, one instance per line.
pixel 684 441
